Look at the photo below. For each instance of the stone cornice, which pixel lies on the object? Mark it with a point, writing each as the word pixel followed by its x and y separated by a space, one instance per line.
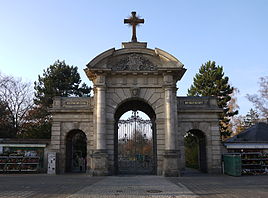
pixel 65 110
pixel 93 72
pixel 164 60
pixel 200 110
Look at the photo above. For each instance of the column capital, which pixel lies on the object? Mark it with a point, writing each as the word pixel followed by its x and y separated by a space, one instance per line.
pixel 100 81
pixel 169 88
pixel 100 88
pixel 168 80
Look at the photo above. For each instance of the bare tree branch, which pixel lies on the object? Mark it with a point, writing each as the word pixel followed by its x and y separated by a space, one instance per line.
pixel 18 96
pixel 261 101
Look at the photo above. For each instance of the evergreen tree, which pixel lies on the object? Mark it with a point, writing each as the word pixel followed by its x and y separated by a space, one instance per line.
pixel 241 123
pixel 7 130
pixel 210 81
pixel 251 118
pixel 58 79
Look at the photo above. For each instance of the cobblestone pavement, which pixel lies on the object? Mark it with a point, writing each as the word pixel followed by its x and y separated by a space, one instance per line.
pixel 134 186
pixel 223 186
pixel 79 185
pixel 43 186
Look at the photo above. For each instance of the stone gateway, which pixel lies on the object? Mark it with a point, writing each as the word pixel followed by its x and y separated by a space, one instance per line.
pixel 85 130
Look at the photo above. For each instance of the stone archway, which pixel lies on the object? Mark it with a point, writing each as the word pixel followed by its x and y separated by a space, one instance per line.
pixel 140 135
pixel 76 151
pixel 136 78
pixel 195 150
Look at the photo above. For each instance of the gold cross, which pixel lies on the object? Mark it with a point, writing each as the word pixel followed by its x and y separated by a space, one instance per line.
pixel 134 21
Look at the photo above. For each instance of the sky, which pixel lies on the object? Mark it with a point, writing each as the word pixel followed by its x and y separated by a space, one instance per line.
pixel 234 33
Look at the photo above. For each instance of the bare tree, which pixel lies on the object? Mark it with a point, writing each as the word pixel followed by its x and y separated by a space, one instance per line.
pixel 233 106
pixel 261 101
pixel 4 79
pixel 18 98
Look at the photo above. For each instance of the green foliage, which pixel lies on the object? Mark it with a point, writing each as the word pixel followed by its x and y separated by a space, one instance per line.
pixel 59 79
pixel 38 125
pixel 39 130
pixel 241 123
pixel 210 81
pixel 251 118
pixel 7 129
pixel 191 151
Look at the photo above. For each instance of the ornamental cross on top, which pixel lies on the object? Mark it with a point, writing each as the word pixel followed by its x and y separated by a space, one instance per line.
pixel 134 21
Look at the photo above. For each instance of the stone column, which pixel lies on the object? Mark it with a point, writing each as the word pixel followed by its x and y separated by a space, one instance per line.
pixel 100 119
pixel 171 154
pixel 169 120
pixel 99 157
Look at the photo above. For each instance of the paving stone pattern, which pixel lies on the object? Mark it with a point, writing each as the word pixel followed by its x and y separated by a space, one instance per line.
pixel 223 186
pixel 134 186
pixel 43 186
pixel 80 185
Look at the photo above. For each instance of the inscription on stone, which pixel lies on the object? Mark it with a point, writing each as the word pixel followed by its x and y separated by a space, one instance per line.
pixel 193 102
pixel 76 103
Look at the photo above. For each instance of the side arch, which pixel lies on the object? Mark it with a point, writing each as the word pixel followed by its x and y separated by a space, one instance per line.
pixel 76 151
pixel 195 144
pixel 210 129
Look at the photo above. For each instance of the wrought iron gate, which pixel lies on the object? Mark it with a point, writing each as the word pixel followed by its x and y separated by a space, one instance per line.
pixel 135 146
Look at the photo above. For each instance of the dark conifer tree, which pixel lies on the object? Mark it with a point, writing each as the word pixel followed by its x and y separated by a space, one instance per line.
pixel 210 81
pixel 251 118
pixel 7 129
pixel 58 79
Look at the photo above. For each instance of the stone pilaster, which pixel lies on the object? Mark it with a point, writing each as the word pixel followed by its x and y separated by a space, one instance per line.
pixel 171 168
pixel 99 157
pixel 55 147
pixel 55 136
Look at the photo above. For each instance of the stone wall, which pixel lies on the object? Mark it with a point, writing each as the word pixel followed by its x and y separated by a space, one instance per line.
pixel 201 113
pixel 71 114
pixel 198 113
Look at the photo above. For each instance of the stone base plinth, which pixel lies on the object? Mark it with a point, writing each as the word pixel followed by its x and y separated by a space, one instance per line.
pixel 171 163
pixel 134 45
pixel 99 163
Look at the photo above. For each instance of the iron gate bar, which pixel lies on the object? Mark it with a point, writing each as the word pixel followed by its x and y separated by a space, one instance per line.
pixel 135 145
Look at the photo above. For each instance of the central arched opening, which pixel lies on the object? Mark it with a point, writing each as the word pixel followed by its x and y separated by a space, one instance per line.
pixel 135 139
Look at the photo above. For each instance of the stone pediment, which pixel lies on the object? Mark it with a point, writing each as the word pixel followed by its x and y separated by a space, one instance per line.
pixel 134 59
